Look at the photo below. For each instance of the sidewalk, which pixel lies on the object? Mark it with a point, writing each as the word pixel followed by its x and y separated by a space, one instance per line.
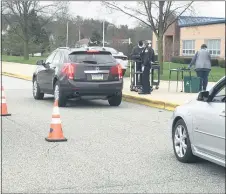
pixel 161 98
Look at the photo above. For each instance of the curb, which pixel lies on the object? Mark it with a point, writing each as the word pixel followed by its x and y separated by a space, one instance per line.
pixel 28 78
pixel 126 97
pixel 151 103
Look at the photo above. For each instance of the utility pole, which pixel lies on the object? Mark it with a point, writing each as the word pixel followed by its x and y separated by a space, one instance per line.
pixel 103 32
pixel 129 41
pixel 79 33
pixel 67 36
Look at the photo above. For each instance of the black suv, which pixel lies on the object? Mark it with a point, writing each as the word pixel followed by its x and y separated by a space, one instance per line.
pixel 79 73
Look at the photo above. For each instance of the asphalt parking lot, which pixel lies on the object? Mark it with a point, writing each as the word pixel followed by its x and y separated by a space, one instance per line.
pixel 124 149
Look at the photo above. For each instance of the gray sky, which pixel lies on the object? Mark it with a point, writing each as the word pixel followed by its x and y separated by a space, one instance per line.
pixel 97 11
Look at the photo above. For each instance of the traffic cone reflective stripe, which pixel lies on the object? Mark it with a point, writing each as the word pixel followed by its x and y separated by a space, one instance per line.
pixel 3 93
pixel 56 121
pixel 3 100
pixel 4 110
pixel 56 132
pixel 56 111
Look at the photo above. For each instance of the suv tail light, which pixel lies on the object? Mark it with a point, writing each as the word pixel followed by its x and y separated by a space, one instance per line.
pixel 69 70
pixel 117 70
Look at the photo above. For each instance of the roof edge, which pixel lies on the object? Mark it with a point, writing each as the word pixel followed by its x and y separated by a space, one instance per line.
pixel 203 23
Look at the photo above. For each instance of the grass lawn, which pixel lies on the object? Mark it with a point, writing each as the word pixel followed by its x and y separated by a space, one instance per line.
pixel 215 74
pixel 18 59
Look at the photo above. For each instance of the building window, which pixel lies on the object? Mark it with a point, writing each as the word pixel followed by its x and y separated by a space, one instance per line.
pixel 213 46
pixel 188 47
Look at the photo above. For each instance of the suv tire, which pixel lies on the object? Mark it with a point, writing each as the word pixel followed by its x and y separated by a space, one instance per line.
pixel 115 100
pixel 37 94
pixel 58 94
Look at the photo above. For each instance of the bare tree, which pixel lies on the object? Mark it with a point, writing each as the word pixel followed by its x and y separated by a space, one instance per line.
pixel 157 15
pixel 22 12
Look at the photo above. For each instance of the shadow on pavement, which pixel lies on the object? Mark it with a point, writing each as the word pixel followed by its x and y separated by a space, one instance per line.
pixel 84 103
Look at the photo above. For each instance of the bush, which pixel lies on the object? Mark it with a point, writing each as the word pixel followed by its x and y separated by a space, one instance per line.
pixel 222 63
pixel 187 60
pixel 182 60
pixel 214 62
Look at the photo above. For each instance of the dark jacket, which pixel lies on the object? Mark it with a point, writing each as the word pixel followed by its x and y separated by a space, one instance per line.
pixel 135 55
pixel 148 56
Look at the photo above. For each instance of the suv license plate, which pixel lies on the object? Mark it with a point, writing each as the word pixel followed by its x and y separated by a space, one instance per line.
pixel 97 76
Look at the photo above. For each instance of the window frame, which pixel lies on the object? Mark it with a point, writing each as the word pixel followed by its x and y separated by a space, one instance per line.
pixel 185 51
pixel 211 48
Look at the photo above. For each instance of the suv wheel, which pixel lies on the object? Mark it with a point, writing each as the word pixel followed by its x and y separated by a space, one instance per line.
pixel 181 143
pixel 37 94
pixel 58 95
pixel 115 100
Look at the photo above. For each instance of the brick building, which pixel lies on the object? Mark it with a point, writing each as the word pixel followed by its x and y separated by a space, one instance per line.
pixel 185 36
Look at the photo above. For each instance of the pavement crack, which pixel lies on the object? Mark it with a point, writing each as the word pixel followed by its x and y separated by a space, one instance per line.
pixel 51 148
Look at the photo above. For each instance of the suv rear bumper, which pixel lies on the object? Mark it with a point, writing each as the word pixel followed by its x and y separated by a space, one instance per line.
pixel 74 88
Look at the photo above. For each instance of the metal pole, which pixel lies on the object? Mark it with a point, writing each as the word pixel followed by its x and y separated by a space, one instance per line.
pixel 67 36
pixel 103 33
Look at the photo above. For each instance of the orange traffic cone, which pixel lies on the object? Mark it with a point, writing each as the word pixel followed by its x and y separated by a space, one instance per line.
pixel 56 132
pixel 4 111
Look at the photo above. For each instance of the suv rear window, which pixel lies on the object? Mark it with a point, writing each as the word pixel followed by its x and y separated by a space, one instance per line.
pixel 97 57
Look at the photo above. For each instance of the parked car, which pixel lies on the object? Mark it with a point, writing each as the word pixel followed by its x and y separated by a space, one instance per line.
pixel 79 73
pixel 198 127
pixel 119 56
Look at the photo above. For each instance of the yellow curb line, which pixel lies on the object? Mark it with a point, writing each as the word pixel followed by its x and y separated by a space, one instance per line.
pixel 150 102
pixel 126 97
pixel 28 78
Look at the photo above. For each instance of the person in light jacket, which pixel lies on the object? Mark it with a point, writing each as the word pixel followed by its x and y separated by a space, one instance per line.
pixel 202 61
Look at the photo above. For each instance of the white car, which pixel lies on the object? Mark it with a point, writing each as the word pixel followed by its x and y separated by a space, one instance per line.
pixel 198 127
pixel 119 56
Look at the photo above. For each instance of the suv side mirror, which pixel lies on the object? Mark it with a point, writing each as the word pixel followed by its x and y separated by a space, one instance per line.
pixel 40 62
pixel 203 96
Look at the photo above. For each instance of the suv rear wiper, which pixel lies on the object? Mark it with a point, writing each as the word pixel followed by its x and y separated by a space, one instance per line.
pixel 93 62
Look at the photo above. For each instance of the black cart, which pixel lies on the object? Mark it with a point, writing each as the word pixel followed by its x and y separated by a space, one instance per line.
pixel 155 70
pixel 136 76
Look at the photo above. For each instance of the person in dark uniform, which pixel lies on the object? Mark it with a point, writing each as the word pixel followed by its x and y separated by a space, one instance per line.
pixel 135 55
pixel 147 56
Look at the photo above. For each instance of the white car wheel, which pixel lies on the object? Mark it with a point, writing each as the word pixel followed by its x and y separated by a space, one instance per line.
pixel 181 143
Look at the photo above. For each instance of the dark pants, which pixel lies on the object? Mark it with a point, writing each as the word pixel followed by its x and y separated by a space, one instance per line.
pixel 203 75
pixel 146 79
